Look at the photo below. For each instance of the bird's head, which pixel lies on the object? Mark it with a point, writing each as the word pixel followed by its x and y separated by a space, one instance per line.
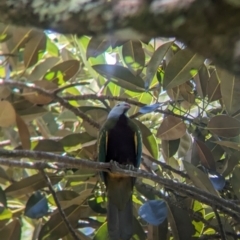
pixel 118 110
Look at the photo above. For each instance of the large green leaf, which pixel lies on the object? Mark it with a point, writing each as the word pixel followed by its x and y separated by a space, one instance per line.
pixel 133 56
pixel 155 61
pixel 62 72
pixel 96 46
pixel 199 178
pixel 181 68
pixel 181 229
pixel 120 76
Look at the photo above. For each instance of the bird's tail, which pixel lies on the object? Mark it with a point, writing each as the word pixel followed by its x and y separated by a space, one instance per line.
pixel 120 209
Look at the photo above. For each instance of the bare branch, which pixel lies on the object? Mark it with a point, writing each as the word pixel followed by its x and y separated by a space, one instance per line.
pixel 52 95
pixel 225 206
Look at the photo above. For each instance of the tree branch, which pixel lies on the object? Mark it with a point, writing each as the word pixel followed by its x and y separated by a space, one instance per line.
pixel 225 206
pixel 52 95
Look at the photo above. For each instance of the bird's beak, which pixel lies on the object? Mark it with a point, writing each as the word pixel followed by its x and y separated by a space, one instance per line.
pixel 127 106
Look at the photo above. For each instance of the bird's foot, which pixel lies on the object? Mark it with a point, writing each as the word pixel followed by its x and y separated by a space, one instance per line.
pixel 130 167
pixel 114 164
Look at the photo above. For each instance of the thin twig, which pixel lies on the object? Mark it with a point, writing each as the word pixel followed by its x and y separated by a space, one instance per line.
pixel 104 97
pixel 221 230
pixel 55 97
pixel 62 213
pixel 60 89
pixel 165 166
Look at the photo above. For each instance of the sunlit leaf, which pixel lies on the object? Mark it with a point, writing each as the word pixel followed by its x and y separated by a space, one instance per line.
pixel 133 56
pixel 62 72
pixel 155 62
pixel 121 76
pixel 41 68
pixel 34 49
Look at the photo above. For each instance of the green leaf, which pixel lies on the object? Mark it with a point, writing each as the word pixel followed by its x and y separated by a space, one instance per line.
pixel 62 72
pixel 75 139
pixel 180 229
pixel 149 140
pixel 52 48
pixel 30 184
pixel 97 46
pixel 133 56
pixel 199 178
pixel 41 68
pixel 47 145
pixel 34 49
pixel 155 61
pixel 121 76
pixel 170 147
pixel 180 68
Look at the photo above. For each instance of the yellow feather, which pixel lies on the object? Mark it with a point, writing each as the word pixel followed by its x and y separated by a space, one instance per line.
pixel 106 141
pixel 135 141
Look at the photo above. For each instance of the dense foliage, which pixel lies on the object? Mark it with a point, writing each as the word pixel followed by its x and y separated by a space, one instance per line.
pixel 56 92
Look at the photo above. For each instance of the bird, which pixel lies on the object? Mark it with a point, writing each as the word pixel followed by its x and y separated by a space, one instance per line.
pixel 119 140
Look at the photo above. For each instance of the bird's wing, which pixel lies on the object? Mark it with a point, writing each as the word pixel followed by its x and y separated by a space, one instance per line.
pixel 137 140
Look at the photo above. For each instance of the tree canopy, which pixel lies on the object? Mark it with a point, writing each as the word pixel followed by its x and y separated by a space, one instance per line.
pixel 56 90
